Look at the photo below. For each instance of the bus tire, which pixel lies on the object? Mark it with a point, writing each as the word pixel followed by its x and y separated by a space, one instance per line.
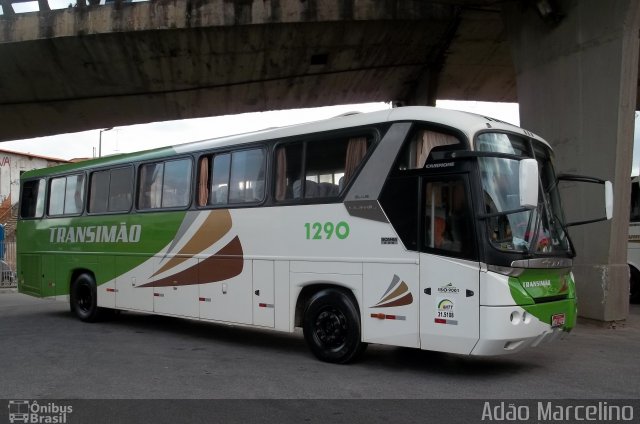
pixel 331 327
pixel 83 298
pixel 634 285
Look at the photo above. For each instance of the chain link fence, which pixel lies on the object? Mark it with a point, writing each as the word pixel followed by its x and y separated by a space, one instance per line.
pixel 8 264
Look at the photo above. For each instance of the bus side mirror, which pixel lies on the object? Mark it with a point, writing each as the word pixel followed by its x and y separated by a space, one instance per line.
pixel 608 196
pixel 528 183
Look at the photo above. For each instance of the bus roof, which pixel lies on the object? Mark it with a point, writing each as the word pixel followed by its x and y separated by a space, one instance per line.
pixel 467 123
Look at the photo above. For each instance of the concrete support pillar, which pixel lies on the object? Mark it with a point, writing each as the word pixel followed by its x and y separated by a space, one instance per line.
pixel 577 75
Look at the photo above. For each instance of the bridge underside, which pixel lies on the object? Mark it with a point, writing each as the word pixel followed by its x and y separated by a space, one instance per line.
pixel 70 70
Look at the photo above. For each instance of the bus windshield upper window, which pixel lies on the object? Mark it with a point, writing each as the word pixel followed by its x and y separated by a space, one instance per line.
pixel 421 146
pixel 502 143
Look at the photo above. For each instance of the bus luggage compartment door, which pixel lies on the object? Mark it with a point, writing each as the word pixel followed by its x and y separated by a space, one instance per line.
pixel 449 304
pixel 263 296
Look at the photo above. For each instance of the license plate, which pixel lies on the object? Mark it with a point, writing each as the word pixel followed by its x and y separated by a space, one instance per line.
pixel 557 320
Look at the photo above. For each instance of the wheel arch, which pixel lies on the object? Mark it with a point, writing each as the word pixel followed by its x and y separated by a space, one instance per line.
pixel 76 272
pixel 309 290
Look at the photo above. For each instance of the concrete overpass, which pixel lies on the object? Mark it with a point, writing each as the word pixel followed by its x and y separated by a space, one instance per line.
pixel 77 69
pixel 572 65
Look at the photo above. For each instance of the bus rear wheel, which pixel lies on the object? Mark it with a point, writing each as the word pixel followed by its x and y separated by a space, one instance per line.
pixel 83 298
pixel 332 327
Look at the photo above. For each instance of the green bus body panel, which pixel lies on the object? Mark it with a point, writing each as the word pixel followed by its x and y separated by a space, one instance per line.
pixel 50 250
pixel 533 287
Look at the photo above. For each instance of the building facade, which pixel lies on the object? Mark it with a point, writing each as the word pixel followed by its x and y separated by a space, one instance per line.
pixel 12 165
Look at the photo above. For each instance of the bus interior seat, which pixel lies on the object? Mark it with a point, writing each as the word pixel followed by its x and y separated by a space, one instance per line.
pixel 311 189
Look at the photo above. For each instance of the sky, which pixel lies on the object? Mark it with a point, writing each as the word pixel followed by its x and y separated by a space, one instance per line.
pixel 32 6
pixel 147 136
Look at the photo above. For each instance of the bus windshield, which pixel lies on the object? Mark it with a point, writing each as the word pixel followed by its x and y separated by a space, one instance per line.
pixel 537 231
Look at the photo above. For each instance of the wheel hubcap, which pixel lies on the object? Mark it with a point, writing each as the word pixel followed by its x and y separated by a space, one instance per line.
pixel 331 328
pixel 83 298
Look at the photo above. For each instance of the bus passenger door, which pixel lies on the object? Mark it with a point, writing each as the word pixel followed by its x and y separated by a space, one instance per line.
pixel 449 270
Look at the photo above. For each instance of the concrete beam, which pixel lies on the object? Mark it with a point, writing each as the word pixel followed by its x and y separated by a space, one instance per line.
pixel 71 70
pixel 577 82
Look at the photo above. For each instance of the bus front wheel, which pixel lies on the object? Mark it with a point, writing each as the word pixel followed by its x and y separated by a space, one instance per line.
pixel 332 327
pixel 83 298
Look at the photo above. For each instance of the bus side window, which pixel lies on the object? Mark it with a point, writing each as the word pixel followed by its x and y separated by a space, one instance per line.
pixel 176 183
pixel 32 199
pixel 446 218
pixel 220 180
pixel 246 183
pixel 66 195
pixel 120 189
pixel 98 190
pixel 232 178
pixel 329 165
pixel 288 170
pixel 110 190
pixel 150 182
pixel 164 185
pixel 324 168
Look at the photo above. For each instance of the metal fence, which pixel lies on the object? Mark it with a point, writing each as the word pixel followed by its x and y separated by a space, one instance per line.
pixel 8 264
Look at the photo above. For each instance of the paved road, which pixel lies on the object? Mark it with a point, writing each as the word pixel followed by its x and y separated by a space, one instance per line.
pixel 48 354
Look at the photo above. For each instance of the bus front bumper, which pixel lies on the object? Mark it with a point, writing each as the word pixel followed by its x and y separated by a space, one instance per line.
pixel 509 329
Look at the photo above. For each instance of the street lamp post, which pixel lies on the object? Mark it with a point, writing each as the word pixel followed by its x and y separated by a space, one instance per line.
pixel 100 140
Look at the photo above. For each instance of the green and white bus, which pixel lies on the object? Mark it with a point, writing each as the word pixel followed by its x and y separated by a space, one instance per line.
pixel 416 226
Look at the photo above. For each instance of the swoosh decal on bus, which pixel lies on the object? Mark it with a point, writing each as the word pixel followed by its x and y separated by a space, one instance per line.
pixel 407 299
pixel 212 229
pixel 227 263
pixel 401 296
pixel 189 219
pixel 401 289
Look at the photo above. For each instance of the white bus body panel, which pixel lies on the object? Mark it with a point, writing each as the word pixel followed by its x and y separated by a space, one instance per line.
pixel 106 292
pixel 282 297
pixel 494 290
pixel 449 319
pixel 633 247
pixel 229 300
pixel 395 285
pixel 129 293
